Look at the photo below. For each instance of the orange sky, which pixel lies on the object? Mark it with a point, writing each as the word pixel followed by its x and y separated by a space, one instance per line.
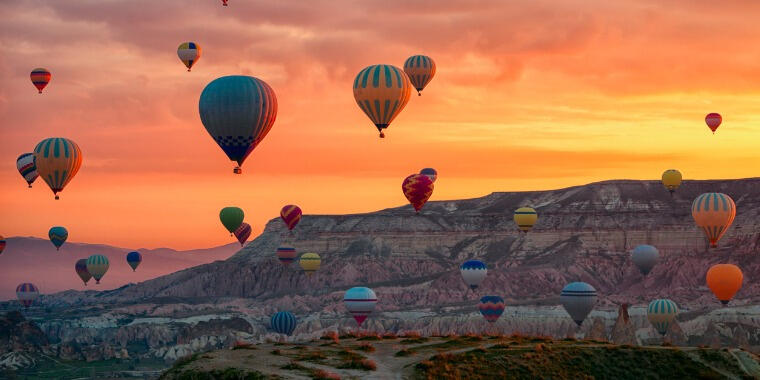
pixel 528 95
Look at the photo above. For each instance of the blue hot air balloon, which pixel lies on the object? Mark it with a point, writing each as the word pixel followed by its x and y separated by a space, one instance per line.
pixel 645 257
pixel 284 322
pixel 134 259
pixel 58 236
pixel 491 307
pixel 578 299
pixel 431 173
pixel 473 272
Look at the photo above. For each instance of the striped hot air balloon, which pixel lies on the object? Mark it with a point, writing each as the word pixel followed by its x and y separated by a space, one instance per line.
pixel 238 111
pixel 417 189
pixel 134 259
pixel 431 173
pixel 2 243
pixel 578 299
pixel 645 257
pixel 714 213
pixel 525 218
pixel 27 293
pixel 81 268
pixel 661 313
pixel 27 168
pixel 382 91
pixel 58 236
pixel 491 307
pixel 420 69
pixel 310 262
pixel 671 179
pixel 473 272
pixel 713 121
pixel 360 302
pixel 243 233
pixel 40 78
pixel 283 322
pixel 58 160
pixel 291 215
pixel 97 266
pixel 724 280
pixel 189 53
pixel 286 255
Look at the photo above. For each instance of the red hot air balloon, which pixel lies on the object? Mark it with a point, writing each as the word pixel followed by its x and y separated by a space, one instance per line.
pixel 243 232
pixel 291 215
pixel 713 121
pixel 40 78
pixel 417 188
pixel 224 2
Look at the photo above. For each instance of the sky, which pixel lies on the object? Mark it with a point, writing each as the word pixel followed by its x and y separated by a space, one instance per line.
pixel 528 95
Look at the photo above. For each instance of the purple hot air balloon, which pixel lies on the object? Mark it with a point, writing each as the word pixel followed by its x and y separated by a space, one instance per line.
pixel 27 293
pixel 243 232
pixel 81 268
pixel 291 215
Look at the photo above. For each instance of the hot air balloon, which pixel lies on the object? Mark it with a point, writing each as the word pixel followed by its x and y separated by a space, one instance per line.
pixel 645 257
pixel 291 215
pixel 473 272
pixel 283 322
pixel 525 218
pixel 714 212
pixel 40 78
pixel 430 173
pixel 491 307
pixel 189 53
pixel 134 259
pixel 58 236
pixel 578 299
pixel 27 168
pixel 58 160
pixel 97 266
pixel 360 302
pixel 81 268
pixel 224 2
pixel 420 69
pixel 238 111
pixel 310 262
pixel 243 233
pixel 232 218
pixel 661 313
pixel 417 189
pixel 713 121
pixel 724 280
pixel 27 293
pixel 286 255
pixel 671 179
pixel 382 91
pixel 2 243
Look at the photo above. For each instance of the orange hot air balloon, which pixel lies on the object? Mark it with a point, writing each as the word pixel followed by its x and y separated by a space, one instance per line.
pixel 724 280
pixel 714 212
pixel 713 121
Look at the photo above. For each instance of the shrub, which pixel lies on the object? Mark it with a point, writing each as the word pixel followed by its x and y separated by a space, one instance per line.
pixel 389 335
pixel 243 346
pixel 411 334
pixel 321 374
pixel 331 335
pixel 369 365
pixel 276 352
pixel 404 352
pixel 366 347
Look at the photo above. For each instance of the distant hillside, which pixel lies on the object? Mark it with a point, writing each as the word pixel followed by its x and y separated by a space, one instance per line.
pixel 28 259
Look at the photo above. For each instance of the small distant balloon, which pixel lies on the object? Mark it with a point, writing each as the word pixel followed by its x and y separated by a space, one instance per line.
pixel 360 302
pixel 525 218
pixel 81 268
pixel 671 179
pixel 58 236
pixel 27 168
pixel 473 272
pixel 58 160
pixel 724 280
pixel 40 78
pixel 224 2
pixel 189 53
pixel 417 189
pixel 2 244
pixel 382 91
pixel 713 121
pixel 286 255
pixel 27 293
pixel 578 299
pixel 310 262
pixel 714 213
pixel 283 322
pixel 97 266
pixel 645 257
pixel 232 218
pixel 134 259
pixel 291 215
pixel 243 233
pixel 661 313
pixel 420 69
pixel 491 307
pixel 430 173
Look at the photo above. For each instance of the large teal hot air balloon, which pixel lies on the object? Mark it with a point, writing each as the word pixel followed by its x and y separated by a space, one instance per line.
pixel 58 236
pixel 284 322
pixel 238 111
pixel 661 313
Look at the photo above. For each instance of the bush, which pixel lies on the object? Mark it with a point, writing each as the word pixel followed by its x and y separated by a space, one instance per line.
pixel 404 352
pixel 321 374
pixel 411 335
pixel 366 347
pixel 243 346
pixel 331 335
pixel 389 335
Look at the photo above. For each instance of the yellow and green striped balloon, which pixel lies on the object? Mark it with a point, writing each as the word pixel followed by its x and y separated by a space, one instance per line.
pixel 382 91
pixel 97 265
pixel 525 218
pixel 58 160
pixel 310 262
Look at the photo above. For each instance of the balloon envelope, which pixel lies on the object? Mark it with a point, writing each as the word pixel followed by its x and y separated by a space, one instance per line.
pixel 40 78
pixel 27 168
pixel 58 160
pixel 724 280
pixel 671 179
pixel 473 272
pixel 81 268
pixel 578 299
pixel 134 259
pixel 97 265
pixel 417 189
pixel 661 313
pixel 491 307
pixel 714 213
pixel 283 322
pixel 58 236
pixel 243 232
pixel 382 91
pixel 27 293
pixel 713 121
pixel 310 262
pixel 291 215
pixel 360 302
pixel 420 69
pixel 431 173
pixel 189 53
pixel 286 255
pixel 645 257
pixel 525 218
pixel 231 217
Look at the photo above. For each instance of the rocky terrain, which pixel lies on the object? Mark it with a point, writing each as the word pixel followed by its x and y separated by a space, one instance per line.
pixel 584 233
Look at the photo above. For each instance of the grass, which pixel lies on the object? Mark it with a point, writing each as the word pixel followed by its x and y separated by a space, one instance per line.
pixel 226 374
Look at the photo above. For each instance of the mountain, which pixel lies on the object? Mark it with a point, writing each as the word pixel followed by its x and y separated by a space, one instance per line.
pixel 29 259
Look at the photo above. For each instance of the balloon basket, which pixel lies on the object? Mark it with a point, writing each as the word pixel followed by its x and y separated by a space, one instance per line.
pixel 237 170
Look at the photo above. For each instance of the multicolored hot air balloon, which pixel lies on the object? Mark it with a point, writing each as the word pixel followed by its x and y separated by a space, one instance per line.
pixel 40 78
pixel 661 313
pixel 232 218
pixel 417 189
pixel 645 257
pixel 58 160
pixel 283 322
pixel 310 262
pixel 382 91
pixel 714 212
pixel 238 111
pixel 713 121
pixel 473 272
pixel 286 255
pixel 671 179
pixel 2 243
pixel 420 69
pixel 491 307
pixel 97 266
pixel 291 215
pixel 189 53
pixel 58 236
pixel 243 233
pixel 724 280
pixel 431 173
pixel 578 299
pixel 27 293
pixel 134 259
pixel 27 168
pixel 81 268
pixel 525 218
pixel 360 302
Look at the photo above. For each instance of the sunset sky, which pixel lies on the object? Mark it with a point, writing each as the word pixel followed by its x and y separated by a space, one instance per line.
pixel 528 95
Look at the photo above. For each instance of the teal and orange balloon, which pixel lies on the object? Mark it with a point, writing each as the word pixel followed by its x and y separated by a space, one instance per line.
pixel 58 236
pixel 97 266
pixel 382 91
pixel 417 189
pixel 58 160
pixel 661 313
pixel 714 213
pixel 420 69
pixel 40 78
